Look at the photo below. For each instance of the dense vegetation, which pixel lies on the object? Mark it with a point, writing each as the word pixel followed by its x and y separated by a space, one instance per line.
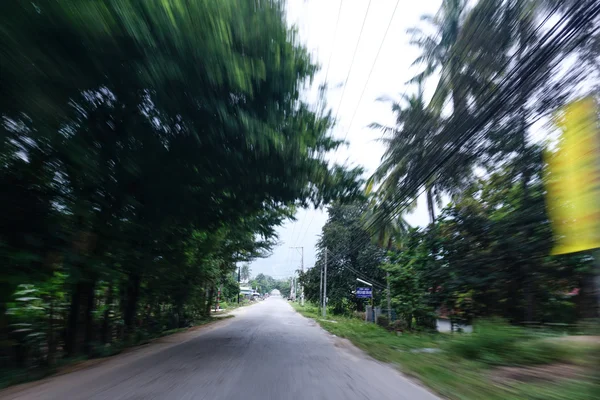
pixel 498 69
pixel 147 148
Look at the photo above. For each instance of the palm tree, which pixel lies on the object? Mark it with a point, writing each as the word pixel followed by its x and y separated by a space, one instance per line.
pixel 438 54
pixel 467 48
pixel 387 232
pixel 245 272
pixel 416 146
pixel 411 158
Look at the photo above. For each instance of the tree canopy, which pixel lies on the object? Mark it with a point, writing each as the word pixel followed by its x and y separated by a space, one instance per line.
pixel 499 69
pixel 147 148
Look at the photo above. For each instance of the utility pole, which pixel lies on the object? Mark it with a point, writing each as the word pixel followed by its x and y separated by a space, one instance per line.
pixel 301 269
pixel 239 275
pixel 325 286
pixel 389 300
pixel 321 286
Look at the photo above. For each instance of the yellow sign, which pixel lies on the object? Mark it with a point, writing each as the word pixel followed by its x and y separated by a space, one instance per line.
pixel 573 179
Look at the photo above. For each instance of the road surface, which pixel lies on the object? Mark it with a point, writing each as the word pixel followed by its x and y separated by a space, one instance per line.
pixel 268 351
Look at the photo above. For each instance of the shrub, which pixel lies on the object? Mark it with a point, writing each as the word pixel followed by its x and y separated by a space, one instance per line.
pixel 399 325
pixel 359 315
pixel 536 352
pixel 383 321
pixel 497 343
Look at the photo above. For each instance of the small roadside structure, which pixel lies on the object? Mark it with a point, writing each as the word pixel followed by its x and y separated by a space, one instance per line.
pixel 246 291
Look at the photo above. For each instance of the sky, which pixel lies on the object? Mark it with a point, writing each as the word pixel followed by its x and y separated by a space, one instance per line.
pixel 316 23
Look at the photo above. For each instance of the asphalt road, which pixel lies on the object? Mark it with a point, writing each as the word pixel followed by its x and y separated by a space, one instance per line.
pixel 267 351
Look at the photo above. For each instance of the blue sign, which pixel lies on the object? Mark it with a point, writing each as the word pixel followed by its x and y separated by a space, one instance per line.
pixel 364 293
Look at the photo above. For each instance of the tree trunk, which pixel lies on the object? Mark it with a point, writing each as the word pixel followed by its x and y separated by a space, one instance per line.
pixel 80 321
pixel 122 305
pixel 587 301
pixel 106 326
pixel 131 299
pixel 430 205
pixel 211 294
pixel 51 340
pixel 88 317
pixel 71 339
pixel 203 300
pixel 527 232
pixel 389 299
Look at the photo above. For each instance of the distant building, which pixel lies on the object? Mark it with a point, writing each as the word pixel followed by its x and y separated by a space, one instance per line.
pixel 246 291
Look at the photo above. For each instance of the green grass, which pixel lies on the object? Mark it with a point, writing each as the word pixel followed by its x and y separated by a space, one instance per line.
pixel 463 366
pixel 232 306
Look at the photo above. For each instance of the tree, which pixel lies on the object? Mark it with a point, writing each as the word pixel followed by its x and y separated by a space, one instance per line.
pixel 411 153
pixel 351 256
pixel 246 272
pixel 469 263
pixel 499 80
pixel 149 148
pixel 386 232
pixel 438 54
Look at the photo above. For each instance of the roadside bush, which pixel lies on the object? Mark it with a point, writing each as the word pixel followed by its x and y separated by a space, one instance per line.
pixel 359 315
pixel 539 351
pixel 399 325
pixel 497 343
pixel 99 350
pixel 383 321
pixel 490 338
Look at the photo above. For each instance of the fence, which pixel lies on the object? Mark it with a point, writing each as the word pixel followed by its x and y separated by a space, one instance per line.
pixel 372 313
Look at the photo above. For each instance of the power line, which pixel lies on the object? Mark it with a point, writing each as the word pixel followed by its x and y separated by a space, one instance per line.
pixel 372 68
pixel 553 42
pixel 438 35
pixel 350 70
pixel 560 39
pixel 461 142
pixel 337 22
pixel 352 61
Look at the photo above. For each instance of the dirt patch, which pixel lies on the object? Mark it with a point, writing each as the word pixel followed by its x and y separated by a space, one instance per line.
pixel 343 343
pixel 544 373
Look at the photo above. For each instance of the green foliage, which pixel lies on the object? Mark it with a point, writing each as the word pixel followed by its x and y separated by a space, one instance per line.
pixel 149 148
pixel 383 321
pixel 284 287
pixel 230 288
pixel 265 283
pixel 37 315
pixel 487 253
pixel 351 255
pixel 497 343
